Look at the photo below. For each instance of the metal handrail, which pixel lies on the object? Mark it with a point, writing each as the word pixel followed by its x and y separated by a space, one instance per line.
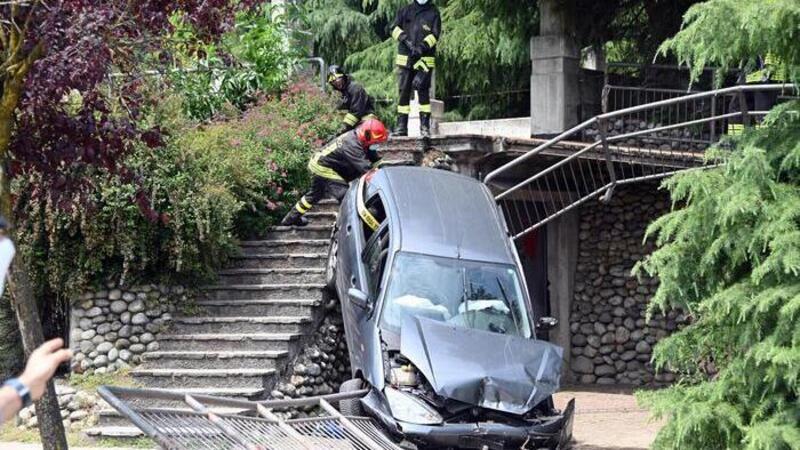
pixel 614 114
pixel 530 203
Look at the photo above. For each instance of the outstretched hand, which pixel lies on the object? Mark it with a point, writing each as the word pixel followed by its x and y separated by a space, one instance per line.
pixel 42 364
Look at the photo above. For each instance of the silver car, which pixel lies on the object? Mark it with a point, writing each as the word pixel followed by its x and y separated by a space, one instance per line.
pixel 438 319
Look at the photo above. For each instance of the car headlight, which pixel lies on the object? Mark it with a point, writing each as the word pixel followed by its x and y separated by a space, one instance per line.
pixel 407 408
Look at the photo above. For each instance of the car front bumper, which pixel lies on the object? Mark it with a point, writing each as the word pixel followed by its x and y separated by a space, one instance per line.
pixel 555 433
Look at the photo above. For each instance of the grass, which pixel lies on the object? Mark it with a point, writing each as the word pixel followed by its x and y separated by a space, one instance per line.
pixel 11 433
pixel 90 382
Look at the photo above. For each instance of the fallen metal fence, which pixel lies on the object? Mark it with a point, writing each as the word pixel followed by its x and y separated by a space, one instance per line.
pixel 634 144
pixel 196 424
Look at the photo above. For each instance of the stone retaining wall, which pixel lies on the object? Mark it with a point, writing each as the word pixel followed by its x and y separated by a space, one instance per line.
pixel 611 340
pixel 111 328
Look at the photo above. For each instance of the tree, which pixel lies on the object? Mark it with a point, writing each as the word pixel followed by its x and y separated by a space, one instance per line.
pixel 56 117
pixel 484 50
pixel 729 253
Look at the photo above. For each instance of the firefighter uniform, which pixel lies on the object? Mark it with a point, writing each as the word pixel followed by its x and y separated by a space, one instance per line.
pixel 355 100
pixel 341 161
pixel 769 70
pixel 416 29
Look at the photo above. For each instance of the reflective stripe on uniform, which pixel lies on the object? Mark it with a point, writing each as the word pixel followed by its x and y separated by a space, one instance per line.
pixel 305 203
pixel 369 116
pixel 318 169
pixel 735 128
pixel 396 33
pixel 421 65
pixel 350 119
pixel 430 40
pixel 429 61
pixel 300 208
pixel 366 216
pixel 425 108
pixel 404 109
pixel 401 60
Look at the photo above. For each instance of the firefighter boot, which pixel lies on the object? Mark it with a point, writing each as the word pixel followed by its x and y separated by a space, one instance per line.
pixel 401 129
pixel 294 218
pixel 425 125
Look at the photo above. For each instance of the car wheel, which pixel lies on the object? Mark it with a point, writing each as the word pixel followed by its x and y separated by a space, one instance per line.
pixel 351 406
pixel 330 268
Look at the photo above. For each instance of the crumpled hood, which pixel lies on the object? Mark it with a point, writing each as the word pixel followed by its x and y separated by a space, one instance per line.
pixel 490 370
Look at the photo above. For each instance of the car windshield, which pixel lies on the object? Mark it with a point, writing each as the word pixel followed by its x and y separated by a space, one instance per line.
pixel 469 294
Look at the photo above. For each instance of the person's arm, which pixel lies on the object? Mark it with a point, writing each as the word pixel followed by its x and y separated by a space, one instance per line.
pixel 41 366
pixel 430 40
pixel 359 106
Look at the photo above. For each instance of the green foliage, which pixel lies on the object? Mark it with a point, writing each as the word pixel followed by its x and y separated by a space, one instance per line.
pixel 253 58
pixel 207 186
pixel 730 255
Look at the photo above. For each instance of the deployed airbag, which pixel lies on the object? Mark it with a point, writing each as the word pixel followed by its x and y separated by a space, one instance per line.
pixel 490 370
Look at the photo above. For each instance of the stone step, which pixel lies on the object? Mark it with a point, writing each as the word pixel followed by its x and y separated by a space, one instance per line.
pixel 310 231
pixel 166 378
pixel 111 418
pixel 279 261
pixel 215 360
pixel 330 206
pixel 244 324
pixel 225 342
pixel 282 246
pixel 270 276
pixel 254 308
pixel 320 218
pixel 263 291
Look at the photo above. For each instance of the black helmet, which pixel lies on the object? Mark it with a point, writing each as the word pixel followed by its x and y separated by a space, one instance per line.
pixel 335 72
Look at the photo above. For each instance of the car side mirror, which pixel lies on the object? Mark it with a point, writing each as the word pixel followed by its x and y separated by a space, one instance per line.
pixel 359 298
pixel 546 323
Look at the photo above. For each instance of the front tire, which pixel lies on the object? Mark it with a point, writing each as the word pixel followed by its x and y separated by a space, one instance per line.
pixel 351 406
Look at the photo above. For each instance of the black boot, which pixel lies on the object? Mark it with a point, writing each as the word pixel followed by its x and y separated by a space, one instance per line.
pixel 425 125
pixel 401 129
pixel 294 218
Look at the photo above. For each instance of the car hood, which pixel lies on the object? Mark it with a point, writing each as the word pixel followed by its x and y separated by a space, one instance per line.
pixel 490 370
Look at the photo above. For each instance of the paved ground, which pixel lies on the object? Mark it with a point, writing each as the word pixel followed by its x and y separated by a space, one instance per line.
pixel 608 419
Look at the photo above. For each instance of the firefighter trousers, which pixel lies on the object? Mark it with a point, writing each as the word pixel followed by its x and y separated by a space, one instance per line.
pixel 405 81
pixel 321 188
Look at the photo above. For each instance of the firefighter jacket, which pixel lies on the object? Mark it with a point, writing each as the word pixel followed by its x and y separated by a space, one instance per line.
pixel 419 26
pixel 358 104
pixel 343 159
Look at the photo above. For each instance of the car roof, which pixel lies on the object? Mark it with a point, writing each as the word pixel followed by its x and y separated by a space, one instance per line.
pixel 445 214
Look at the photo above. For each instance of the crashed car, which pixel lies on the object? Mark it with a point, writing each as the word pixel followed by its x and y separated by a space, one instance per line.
pixel 437 316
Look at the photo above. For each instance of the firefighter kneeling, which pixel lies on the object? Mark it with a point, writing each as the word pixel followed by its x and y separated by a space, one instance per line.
pixel 343 160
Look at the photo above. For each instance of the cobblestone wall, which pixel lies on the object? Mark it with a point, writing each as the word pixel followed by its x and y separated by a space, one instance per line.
pixel 611 340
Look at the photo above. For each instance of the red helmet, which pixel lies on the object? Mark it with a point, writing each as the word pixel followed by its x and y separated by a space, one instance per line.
pixel 371 132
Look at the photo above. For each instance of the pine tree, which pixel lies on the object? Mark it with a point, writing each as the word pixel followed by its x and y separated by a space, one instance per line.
pixel 729 253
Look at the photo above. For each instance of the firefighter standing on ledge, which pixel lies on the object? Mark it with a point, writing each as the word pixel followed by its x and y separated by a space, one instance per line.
pixel 355 100
pixel 416 29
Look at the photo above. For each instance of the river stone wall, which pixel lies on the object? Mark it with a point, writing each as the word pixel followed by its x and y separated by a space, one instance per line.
pixel 111 328
pixel 611 340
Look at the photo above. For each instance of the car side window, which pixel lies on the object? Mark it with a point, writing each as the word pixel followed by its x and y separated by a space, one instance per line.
pixel 375 256
pixel 373 215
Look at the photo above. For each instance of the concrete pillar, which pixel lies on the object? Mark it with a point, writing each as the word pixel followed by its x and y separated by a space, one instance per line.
pixel 562 257
pixel 555 64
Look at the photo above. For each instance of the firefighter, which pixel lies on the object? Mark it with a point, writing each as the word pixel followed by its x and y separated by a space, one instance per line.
pixel 341 161
pixel 416 28
pixel 355 100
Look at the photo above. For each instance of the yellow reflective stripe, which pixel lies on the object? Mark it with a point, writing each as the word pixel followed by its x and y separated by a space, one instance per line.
pixel 300 208
pixel 325 172
pixel 404 109
pixel 366 216
pixel 396 33
pixel 305 203
pixel 425 108
pixel 735 128
pixel 429 61
pixel 401 60
pixel 369 116
pixel 421 65
pixel 431 40
pixel 350 119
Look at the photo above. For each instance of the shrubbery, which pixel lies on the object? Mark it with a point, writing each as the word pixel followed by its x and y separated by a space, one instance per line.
pixel 207 186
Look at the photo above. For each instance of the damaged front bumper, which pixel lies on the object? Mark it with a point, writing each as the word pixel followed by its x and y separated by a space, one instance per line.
pixel 553 433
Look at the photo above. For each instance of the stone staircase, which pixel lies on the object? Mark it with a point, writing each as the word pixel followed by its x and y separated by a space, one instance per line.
pixel 244 330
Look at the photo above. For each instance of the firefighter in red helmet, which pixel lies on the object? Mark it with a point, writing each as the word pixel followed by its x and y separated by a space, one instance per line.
pixel 341 161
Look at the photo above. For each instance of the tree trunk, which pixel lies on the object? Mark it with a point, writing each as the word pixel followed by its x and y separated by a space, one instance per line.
pixel 51 428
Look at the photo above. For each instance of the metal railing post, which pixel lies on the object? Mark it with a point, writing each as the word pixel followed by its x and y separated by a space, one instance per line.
pixel 603 128
pixel 714 123
pixel 743 108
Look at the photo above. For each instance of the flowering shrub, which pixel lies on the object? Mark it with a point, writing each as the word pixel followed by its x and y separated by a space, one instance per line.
pixel 206 187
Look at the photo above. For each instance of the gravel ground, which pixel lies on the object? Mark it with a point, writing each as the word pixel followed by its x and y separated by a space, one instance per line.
pixel 608 419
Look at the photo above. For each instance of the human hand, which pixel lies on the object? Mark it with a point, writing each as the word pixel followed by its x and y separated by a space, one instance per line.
pixel 42 364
